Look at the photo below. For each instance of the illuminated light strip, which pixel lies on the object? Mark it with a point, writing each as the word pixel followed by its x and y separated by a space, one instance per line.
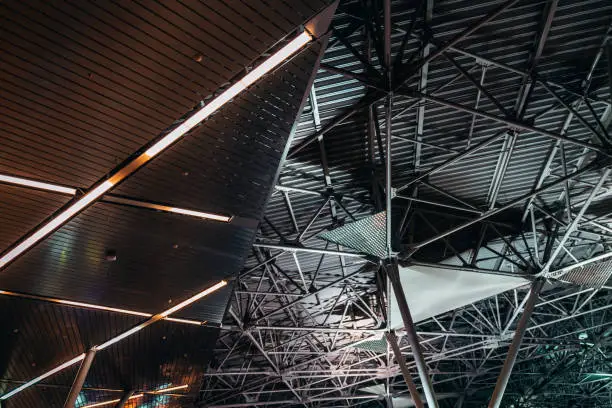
pixel 194 298
pixel 101 404
pixel 43 376
pixel 118 338
pixel 270 63
pixel 199 214
pixel 121 200
pixel 56 222
pixel 97 307
pixel 164 390
pixel 36 184
pixel 166 208
pixel 162 315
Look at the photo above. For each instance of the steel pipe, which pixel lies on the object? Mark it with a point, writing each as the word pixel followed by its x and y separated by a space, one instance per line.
pixel 80 379
pixel 124 399
pixel 411 334
pixel 401 361
pixel 504 376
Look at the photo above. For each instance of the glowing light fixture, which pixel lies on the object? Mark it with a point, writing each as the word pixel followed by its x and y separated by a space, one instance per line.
pixel 97 307
pixel 199 214
pixel 104 403
pixel 56 222
pixel 165 390
pixel 20 181
pixel 120 337
pixel 43 376
pixel 194 298
pixel 270 63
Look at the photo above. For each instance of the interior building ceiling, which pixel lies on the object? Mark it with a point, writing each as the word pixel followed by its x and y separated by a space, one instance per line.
pixel 499 151
pixel 463 146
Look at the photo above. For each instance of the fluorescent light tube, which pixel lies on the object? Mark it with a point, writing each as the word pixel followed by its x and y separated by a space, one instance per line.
pixel 194 298
pixel 20 181
pixel 103 403
pixel 43 376
pixel 55 222
pixel 164 390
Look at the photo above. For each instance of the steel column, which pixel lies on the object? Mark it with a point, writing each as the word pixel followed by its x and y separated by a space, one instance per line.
pixel 124 399
pixel 401 361
pixel 80 379
pixel 504 376
pixel 411 334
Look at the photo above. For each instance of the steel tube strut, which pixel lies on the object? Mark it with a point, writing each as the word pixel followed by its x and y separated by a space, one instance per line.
pixel 80 379
pixel 124 399
pixel 401 361
pixel 411 334
pixel 504 376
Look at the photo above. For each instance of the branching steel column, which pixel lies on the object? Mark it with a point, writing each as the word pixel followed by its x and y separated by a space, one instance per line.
pixel 504 376
pixel 401 361
pixel 80 379
pixel 411 334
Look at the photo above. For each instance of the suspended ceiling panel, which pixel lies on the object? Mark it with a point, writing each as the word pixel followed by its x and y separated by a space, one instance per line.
pixel 85 84
pixel 23 209
pixel 431 291
pixel 226 166
pixel 38 336
pixel 161 258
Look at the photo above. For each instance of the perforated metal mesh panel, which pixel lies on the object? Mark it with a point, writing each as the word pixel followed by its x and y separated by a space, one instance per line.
pixel 366 235
pixel 593 275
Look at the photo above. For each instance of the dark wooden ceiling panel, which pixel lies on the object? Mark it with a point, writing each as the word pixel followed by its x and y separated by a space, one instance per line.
pixel 37 336
pixel 228 164
pixel 22 209
pixel 85 84
pixel 161 258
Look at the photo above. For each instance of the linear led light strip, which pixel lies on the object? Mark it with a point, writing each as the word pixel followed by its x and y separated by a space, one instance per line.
pixel 118 338
pixel 270 63
pixel 21 181
pixel 157 392
pixel 97 307
pixel 103 403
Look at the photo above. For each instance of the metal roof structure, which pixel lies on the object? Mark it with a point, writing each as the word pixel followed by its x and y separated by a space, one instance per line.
pixel 175 234
pixel 119 242
pixel 483 129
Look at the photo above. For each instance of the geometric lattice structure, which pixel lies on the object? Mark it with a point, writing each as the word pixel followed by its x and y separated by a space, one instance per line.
pixel 366 235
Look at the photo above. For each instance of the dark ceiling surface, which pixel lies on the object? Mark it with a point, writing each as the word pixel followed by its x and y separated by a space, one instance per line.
pixel 84 85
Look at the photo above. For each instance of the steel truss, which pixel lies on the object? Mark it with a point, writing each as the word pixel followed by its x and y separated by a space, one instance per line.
pixel 301 305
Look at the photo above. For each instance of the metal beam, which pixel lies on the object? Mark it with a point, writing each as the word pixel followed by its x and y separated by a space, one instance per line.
pixel 411 334
pixel 504 376
pixel 401 361
pixel 124 399
pixel 80 379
